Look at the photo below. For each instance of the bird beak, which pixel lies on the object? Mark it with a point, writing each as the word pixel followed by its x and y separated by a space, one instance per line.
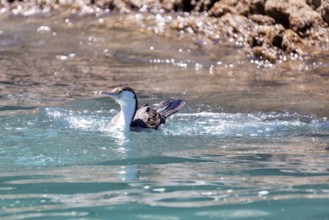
pixel 111 94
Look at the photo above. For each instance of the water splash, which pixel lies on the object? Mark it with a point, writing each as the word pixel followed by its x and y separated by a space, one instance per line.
pixel 76 119
pixel 202 123
pixel 241 125
pixel 86 121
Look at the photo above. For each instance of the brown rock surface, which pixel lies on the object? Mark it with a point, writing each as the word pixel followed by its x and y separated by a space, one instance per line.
pixel 324 10
pixel 262 19
pixel 293 14
pixel 269 29
pixel 240 7
pixel 314 4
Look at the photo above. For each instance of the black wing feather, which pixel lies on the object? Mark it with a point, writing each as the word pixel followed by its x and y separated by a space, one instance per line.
pixel 146 117
pixel 169 107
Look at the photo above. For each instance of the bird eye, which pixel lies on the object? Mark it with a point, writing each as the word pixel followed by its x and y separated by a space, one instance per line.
pixel 118 90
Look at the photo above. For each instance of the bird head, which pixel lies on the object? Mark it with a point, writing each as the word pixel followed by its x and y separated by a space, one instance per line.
pixel 125 96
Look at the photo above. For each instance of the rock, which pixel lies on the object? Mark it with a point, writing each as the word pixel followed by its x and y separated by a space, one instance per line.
pixel 220 8
pixel 262 19
pixel 324 11
pixel 187 5
pixel 176 5
pixel 292 43
pixel 168 5
pixel 266 53
pixel 202 5
pixel 257 7
pixel 270 35
pixel 270 42
pixel 242 7
pixel 262 36
pixel 237 26
pixel 104 4
pixel 293 14
pixel 270 29
pixel 314 4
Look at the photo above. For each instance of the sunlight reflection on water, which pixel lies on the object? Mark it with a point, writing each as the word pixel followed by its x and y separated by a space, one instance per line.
pixel 232 152
pixel 169 168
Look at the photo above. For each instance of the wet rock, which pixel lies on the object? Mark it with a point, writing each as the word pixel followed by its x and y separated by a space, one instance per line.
pixel 292 43
pixel 293 14
pixel 200 5
pixel 324 11
pixel 273 42
pixel 266 41
pixel 237 26
pixel 257 7
pixel 314 4
pixel 169 5
pixel 266 34
pixel 220 8
pixel 186 5
pixel 266 53
pixel 104 4
pixel 270 29
pixel 262 19
pixel 237 21
pixel 241 7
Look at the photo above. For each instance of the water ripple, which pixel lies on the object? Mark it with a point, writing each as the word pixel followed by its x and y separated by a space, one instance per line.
pixel 227 124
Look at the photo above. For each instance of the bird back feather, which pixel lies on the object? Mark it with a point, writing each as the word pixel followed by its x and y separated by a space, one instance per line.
pixel 169 107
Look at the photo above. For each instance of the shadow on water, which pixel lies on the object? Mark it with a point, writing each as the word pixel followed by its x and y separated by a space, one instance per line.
pixel 15 108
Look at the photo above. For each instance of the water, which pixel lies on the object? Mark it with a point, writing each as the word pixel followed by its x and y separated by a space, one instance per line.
pixel 64 162
pixel 251 143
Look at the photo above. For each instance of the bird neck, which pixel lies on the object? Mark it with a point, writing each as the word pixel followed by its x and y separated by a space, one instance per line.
pixel 127 113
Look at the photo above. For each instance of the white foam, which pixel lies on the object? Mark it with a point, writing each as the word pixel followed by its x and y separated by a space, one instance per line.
pixel 86 121
pixel 201 123
pixel 258 124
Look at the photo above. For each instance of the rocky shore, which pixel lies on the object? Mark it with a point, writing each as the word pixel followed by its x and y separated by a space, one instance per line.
pixel 269 30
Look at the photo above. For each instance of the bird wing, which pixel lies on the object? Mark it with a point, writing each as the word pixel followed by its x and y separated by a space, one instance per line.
pixel 169 107
pixel 146 117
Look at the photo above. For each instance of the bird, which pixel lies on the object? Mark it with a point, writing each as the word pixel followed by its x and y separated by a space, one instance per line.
pixel 134 118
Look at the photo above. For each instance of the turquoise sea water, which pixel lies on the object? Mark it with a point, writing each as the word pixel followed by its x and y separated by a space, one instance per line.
pixel 250 143
pixel 65 162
